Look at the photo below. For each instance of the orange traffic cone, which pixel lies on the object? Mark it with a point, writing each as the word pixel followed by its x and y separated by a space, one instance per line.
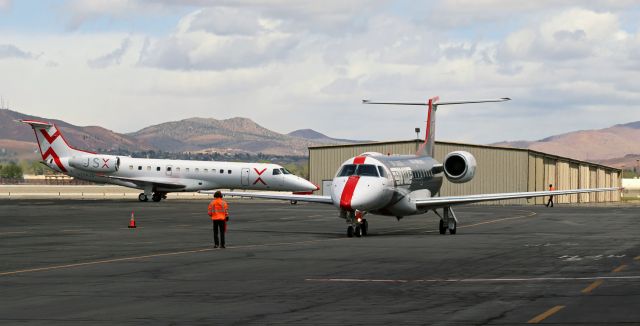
pixel 132 222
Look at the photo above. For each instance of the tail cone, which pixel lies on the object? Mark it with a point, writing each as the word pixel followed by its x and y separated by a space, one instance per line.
pixel 132 222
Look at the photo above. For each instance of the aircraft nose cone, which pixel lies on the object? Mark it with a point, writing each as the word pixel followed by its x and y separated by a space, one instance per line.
pixel 305 185
pixel 361 194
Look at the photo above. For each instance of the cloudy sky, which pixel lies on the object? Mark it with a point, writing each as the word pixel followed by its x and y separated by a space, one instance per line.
pixel 126 64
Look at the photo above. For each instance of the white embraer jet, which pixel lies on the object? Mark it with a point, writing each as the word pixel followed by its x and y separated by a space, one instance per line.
pixel 402 185
pixel 157 176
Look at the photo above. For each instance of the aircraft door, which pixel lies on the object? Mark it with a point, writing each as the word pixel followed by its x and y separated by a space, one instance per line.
pixel 169 169
pixel 244 177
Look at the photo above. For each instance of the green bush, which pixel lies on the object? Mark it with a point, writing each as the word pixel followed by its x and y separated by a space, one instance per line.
pixel 10 171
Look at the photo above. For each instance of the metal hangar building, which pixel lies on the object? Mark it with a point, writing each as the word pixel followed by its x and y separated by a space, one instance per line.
pixel 499 170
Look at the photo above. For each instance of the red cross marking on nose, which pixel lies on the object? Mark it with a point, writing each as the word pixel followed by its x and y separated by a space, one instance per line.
pixel 105 165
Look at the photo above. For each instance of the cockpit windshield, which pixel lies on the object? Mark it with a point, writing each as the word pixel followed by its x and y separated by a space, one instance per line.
pixel 285 171
pixel 365 170
pixel 276 171
pixel 347 170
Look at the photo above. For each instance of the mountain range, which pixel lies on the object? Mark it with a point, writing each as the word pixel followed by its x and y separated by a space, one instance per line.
pixel 235 135
pixel 616 146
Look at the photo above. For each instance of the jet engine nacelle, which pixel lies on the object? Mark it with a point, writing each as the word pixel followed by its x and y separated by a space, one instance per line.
pixel 95 163
pixel 459 166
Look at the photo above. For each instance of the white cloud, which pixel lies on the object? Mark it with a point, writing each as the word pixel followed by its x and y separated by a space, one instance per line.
pixel 12 51
pixel 199 45
pixel 291 65
pixel 112 58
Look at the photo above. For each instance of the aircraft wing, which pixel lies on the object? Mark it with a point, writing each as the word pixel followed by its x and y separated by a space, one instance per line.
pixel 302 198
pixel 164 183
pixel 459 200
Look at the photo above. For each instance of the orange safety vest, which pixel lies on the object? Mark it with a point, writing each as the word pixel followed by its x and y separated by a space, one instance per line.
pixel 552 188
pixel 218 209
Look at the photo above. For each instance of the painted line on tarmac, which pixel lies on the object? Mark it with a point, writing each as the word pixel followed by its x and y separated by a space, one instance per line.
pixel 528 214
pixel 13 232
pixel 620 268
pixel 133 258
pixel 174 253
pixel 592 286
pixel 545 315
pixel 471 280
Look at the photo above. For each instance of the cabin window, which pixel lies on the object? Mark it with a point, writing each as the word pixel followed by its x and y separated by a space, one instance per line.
pixel 168 169
pixel 130 167
pixel 186 170
pixel 229 171
pixel 157 168
pixel 277 172
pixel 139 167
pixel 206 170
pixel 197 170
pixel 381 170
pixel 367 170
pixel 221 171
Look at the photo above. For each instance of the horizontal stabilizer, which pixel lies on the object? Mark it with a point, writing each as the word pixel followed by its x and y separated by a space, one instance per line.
pixel 503 99
pixel 35 123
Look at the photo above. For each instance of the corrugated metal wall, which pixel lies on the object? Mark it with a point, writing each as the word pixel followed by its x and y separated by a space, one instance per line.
pixel 499 170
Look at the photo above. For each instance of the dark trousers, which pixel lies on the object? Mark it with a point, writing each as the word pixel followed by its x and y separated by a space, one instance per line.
pixel 218 225
pixel 550 202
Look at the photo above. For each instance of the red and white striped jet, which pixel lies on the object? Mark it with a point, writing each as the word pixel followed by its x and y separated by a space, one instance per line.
pixel 402 185
pixel 157 177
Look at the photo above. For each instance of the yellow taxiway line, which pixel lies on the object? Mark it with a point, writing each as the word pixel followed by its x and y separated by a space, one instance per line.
pixel 545 315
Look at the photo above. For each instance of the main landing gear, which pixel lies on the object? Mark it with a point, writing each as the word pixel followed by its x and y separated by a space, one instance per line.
pixel 358 225
pixel 448 221
pixel 156 197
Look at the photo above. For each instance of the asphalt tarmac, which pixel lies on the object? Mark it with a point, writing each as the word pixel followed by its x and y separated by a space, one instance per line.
pixel 76 262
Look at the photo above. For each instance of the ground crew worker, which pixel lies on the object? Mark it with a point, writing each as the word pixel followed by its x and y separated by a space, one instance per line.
pixel 219 212
pixel 550 202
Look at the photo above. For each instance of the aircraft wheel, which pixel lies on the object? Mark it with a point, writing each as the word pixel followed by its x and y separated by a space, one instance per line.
pixel 156 197
pixel 443 229
pixel 454 229
pixel 294 202
pixel 358 231
pixel 142 197
pixel 350 231
pixel 365 227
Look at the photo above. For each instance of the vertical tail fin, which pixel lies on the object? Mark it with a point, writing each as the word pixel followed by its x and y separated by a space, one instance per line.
pixel 53 147
pixel 427 148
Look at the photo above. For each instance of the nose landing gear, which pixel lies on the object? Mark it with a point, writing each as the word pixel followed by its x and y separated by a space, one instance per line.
pixel 358 226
